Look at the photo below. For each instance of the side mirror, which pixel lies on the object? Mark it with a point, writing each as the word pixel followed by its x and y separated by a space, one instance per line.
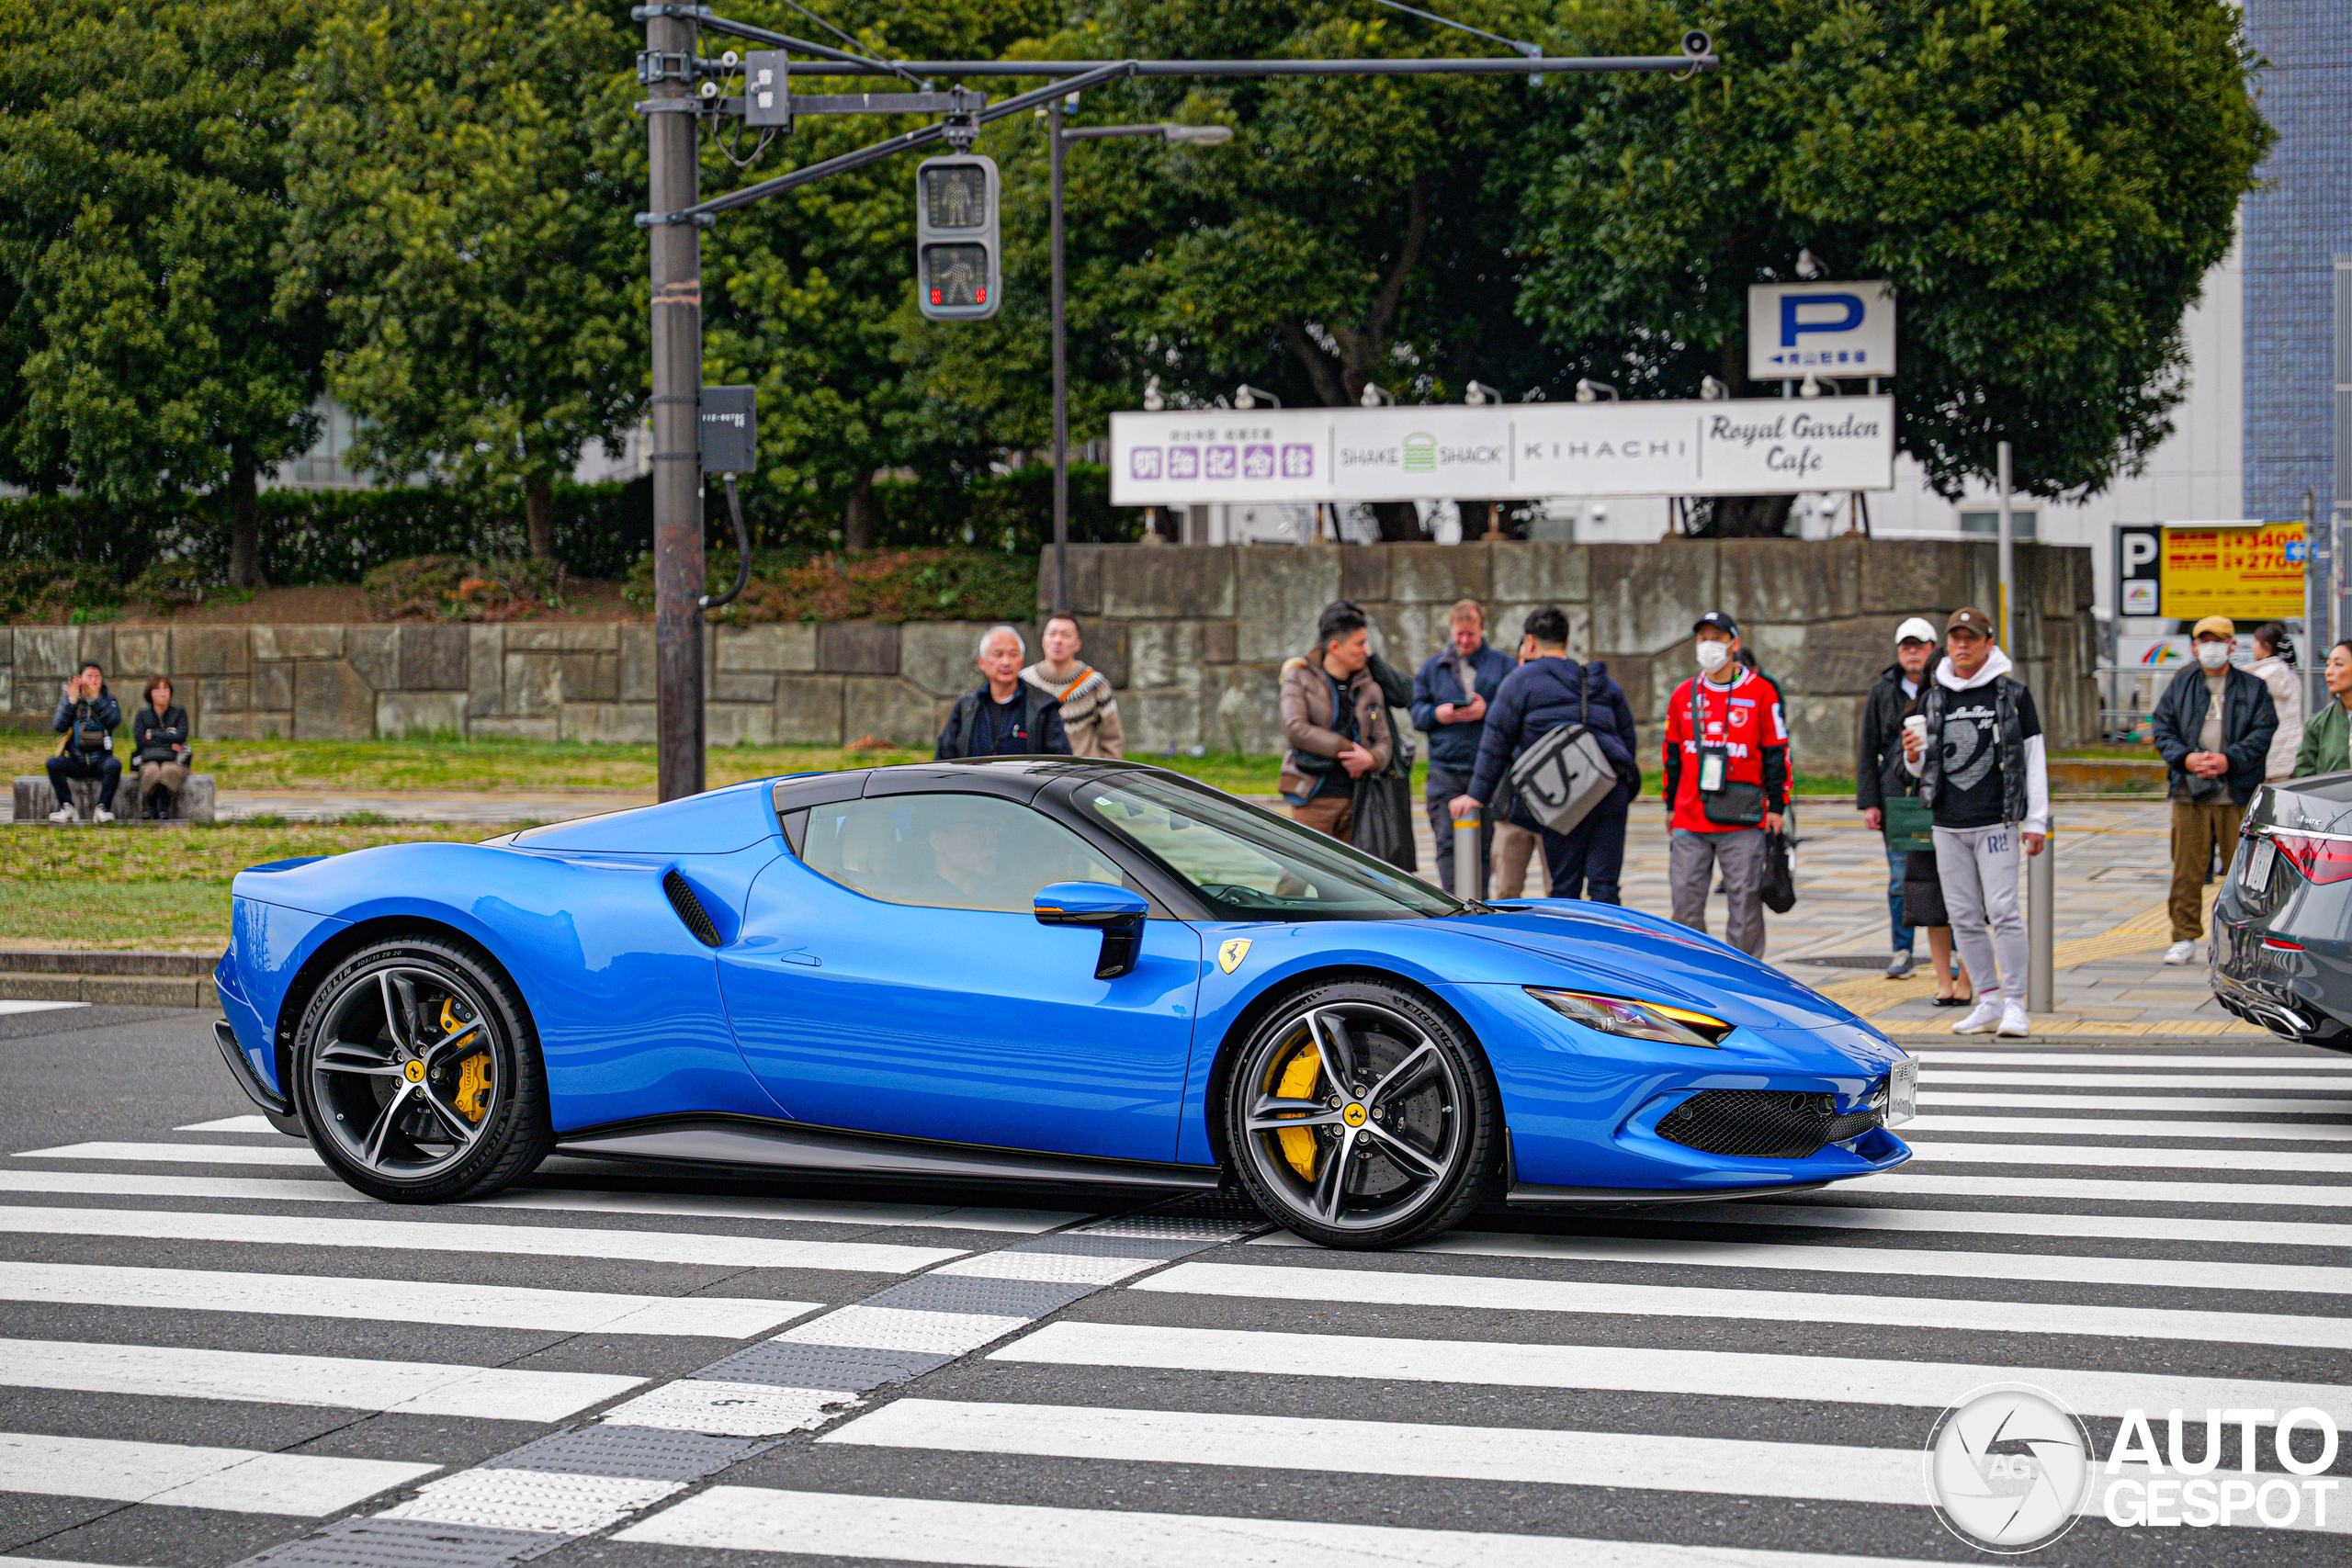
pixel 1117 912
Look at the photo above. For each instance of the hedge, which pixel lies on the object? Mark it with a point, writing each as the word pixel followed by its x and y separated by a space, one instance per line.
pixel 324 536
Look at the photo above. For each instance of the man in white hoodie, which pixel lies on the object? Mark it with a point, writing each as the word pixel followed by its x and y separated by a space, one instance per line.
pixel 1982 772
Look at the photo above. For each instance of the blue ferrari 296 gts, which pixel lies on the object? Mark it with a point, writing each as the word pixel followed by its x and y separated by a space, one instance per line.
pixel 1028 970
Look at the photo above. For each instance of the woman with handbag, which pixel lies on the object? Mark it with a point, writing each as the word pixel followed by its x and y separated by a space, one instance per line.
pixel 160 750
pixel 1335 717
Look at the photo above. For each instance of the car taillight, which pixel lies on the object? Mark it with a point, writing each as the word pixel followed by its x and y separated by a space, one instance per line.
pixel 2320 860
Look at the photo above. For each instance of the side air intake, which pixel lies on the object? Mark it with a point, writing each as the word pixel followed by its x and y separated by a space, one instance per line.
pixel 690 910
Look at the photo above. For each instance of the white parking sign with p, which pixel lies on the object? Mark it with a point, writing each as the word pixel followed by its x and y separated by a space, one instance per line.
pixel 1821 329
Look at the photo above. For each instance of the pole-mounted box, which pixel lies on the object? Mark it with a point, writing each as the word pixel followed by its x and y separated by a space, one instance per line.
pixel 958 269
pixel 730 430
pixel 767 96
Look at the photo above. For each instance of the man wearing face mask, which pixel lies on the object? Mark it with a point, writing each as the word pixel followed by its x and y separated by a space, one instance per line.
pixel 2213 726
pixel 1727 783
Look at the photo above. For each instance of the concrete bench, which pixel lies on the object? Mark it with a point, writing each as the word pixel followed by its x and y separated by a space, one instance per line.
pixel 36 800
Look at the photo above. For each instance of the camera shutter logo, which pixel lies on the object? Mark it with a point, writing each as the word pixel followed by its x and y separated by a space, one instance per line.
pixel 2008 1468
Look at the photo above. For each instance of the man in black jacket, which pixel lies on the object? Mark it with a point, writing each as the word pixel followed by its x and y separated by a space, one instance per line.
pixel 1897 689
pixel 1544 693
pixel 88 716
pixel 2213 727
pixel 1008 717
pixel 1451 695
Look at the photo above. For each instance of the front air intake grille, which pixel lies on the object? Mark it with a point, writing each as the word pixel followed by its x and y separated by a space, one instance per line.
pixel 1762 1123
pixel 690 910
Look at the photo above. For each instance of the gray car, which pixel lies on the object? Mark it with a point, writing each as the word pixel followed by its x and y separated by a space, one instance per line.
pixel 2282 926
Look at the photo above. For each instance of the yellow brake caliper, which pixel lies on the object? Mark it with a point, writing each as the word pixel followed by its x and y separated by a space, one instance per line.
pixel 1298 1083
pixel 472 1099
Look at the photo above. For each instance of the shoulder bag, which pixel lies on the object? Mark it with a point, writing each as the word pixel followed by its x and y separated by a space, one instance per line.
pixel 1564 773
pixel 1727 802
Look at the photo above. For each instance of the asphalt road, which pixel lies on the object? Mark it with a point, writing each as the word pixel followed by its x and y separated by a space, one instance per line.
pixel 209 1350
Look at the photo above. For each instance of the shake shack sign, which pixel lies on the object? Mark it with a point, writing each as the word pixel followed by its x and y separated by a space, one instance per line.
pixel 1757 446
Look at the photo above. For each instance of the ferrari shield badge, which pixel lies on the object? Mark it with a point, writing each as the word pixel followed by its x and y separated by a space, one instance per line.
pixel 1230 956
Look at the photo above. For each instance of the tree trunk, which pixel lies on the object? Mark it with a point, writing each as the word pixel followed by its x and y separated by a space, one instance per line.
pixel 244 522
pixel 1739 517
pixel 863 515
pixel 1400 522
pixel 539 516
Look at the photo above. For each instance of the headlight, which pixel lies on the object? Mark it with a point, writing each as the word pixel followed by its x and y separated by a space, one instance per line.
pixel 1637 1021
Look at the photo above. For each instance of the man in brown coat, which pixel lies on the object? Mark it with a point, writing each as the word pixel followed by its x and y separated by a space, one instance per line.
pixel 1336 721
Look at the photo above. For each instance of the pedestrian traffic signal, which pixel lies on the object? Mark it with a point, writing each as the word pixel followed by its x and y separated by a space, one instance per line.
pixel 959 275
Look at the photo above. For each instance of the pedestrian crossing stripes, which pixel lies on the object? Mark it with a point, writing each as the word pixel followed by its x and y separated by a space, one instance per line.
pixel 1489 1292
pixel 460 1236
pixel 908 1529
pixel 172 1475
pixel 1840 1379
pixel 401 1300
pixel 420 1387
pixel 1696 1385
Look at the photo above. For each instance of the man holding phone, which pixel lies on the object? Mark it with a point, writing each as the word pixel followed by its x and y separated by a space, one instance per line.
pixel 88 716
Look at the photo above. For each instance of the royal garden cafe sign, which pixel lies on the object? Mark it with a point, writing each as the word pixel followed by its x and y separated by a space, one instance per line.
pixel 1755 446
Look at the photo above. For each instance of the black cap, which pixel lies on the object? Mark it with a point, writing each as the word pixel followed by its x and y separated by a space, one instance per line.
pixel 1718 620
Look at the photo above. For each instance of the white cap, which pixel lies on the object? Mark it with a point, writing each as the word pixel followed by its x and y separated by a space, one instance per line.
pixel 1915 627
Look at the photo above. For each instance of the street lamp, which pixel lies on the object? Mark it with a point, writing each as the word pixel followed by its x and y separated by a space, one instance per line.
pixel 1374 396
pixel 1712 390
pixel 1589 391
pixel 1478 394
pixel 1247 396
pixel 1058 141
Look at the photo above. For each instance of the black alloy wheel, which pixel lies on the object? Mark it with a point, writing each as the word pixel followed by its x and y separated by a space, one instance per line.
pixel 1360 1117
pixel 418 1074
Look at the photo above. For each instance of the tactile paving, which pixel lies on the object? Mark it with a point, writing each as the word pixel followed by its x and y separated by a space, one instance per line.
pixel 845 1367
pixel 651 1452
pixel 897 1328
pixel 1206 1229
pixel 535 1500
pixel 966 1293
pixel 731 1409
pixel 1055 1267
pixel 404 1543
pixel 1078 1243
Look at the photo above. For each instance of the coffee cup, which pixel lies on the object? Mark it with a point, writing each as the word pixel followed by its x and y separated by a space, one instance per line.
pixel 1916 725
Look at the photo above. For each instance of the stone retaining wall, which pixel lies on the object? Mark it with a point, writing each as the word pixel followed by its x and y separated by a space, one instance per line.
pixel 1193 637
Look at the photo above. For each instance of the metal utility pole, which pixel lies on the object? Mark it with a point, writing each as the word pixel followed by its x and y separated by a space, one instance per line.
pixel 2009 557
pixel 1062 375
pixel 670 129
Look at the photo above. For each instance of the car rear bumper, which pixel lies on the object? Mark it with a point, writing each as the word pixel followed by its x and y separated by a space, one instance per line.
pixel 2293 992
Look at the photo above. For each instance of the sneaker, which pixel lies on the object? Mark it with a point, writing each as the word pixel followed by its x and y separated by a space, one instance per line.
pixel 2013 1022
pixel 63 814
pixel 2181 952
pixel 1899 967
pixel 103 815
pixel 1984 1015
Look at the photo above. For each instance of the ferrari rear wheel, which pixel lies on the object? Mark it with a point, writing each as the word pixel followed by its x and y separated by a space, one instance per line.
pixel 418 1073
pixel 1360 1117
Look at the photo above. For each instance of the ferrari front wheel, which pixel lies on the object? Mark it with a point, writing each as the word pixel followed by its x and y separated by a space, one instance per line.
pixel 418 1073
pixel 1360 1117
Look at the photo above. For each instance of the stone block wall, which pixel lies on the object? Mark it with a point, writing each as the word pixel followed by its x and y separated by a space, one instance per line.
pixel 1196 636
pixel 1192 636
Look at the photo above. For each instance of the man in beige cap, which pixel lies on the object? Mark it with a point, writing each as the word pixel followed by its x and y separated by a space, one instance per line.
pixel 2213 727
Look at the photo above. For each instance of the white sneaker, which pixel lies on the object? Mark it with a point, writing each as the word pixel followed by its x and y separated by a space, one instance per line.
pixel 2181 952
pixel 63 814
pixel 1982 1017
pixel 103 815
pixel 2013 1022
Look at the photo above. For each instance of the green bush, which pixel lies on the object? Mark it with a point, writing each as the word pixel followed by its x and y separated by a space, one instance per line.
pixel 882 585
pixel 74 589
pixel 451 588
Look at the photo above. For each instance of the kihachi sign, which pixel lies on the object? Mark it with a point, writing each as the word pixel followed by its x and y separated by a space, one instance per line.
pixel 1752 447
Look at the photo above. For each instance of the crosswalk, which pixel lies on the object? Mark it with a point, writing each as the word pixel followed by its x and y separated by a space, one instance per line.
pixel 199 1331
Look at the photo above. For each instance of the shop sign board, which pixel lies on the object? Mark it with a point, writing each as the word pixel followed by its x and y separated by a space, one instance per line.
pixel 1745 446
pixel 2248 571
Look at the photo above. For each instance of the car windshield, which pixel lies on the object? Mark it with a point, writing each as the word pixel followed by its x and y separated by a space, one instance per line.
pixel 1249 864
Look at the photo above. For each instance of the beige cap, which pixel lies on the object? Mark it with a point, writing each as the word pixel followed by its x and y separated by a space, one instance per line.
pixel 2221 625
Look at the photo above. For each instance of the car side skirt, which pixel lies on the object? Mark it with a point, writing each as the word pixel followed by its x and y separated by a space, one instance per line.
pixel 749 1143
pixel 1530 1195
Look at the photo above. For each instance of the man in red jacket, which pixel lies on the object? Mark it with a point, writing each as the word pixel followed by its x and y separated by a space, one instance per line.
pixel 1727 783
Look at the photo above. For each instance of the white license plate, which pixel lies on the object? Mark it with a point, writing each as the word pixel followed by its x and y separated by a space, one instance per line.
pixel 1903 1093
pixel 2257 866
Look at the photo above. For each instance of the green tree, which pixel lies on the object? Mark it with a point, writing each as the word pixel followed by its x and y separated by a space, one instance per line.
pixel 142 205
pixel 1355 230
pixel 809 295
pixel 464 200
pixel 2045 183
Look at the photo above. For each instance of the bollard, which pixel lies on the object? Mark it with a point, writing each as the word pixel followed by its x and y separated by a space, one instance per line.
pixel 2041 904
pixel 1467 881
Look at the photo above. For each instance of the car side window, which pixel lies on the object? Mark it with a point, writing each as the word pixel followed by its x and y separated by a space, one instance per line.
pixel 948 852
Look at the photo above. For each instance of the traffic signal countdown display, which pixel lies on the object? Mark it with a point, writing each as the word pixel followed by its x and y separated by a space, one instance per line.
pixel 959 274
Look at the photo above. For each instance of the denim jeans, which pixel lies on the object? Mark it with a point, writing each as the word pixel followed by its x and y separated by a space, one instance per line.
pixel 1894 863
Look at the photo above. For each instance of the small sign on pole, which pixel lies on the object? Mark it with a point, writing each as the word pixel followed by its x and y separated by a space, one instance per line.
pixel 1822 329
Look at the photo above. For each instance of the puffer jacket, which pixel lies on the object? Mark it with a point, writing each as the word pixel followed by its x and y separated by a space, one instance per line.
pixel 1537 698
pixel 2286 683
pixel 1307 725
